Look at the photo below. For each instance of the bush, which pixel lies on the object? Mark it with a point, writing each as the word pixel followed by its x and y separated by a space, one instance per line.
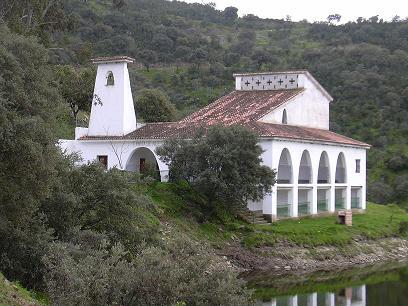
pixel 403 227
pixel 379 192
pixel 178 272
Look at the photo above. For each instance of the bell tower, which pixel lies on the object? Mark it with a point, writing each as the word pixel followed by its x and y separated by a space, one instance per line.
pixel 112 111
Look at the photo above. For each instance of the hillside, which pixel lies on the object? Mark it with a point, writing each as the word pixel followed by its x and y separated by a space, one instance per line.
pixel 14 294
pixel 189 51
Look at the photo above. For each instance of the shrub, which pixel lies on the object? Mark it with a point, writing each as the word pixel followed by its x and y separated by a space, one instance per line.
pixel 403 227
pixel 178 272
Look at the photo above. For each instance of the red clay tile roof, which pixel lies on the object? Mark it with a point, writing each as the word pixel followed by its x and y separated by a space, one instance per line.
pixel 238 108
pixel 263 129
pixel 268 130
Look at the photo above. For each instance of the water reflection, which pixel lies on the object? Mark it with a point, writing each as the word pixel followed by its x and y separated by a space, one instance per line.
pixel 351 296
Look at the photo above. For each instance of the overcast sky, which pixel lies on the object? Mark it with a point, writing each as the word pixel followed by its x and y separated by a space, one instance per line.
pixel 316 10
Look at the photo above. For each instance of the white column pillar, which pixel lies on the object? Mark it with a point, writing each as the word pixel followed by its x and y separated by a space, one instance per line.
pixel 314 200
pixel 348 197
pixel 312 299
pixel 274 202
pixel 363 196
pixel 330 299
pixel 293 301
pixel 295 200
pixel 332 199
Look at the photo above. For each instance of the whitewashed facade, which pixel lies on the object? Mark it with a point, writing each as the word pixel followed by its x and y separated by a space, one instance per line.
pixel 317 171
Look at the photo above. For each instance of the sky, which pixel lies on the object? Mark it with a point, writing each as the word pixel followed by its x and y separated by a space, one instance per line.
pixel 316 10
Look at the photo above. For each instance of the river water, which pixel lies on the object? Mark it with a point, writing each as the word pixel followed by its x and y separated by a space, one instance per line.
pixel 385 285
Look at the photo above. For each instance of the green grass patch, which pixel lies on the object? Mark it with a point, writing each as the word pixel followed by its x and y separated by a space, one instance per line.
pixel 12 293
pixel 184 206
pixel 379 221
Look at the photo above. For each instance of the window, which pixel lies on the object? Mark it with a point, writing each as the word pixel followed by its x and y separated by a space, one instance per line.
pixel 357 166
pixel 103 159
pixel 284 117
pixel 110 80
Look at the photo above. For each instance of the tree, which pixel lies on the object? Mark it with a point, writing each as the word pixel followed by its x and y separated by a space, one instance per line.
pixel 76 87
pixel 148 58
pixel 89 198
pixel 118 4
pixel 333 18
pixel 199 56
pixel 162 43
pixel 34 17
pixel 154 106
pixel 182 53
pixel 262 56
pixel 224 165
pixel 29 104
pixel 230 14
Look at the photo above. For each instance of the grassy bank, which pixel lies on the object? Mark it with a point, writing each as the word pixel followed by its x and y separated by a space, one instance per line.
pixel 181 206
pixel 12 293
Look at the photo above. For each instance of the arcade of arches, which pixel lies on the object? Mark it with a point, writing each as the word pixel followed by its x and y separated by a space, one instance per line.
pixel 314 190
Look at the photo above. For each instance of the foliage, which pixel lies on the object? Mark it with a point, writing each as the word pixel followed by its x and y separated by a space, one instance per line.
pixel 403 227
pixel 156 276
pixel 224 165
pixel 36 16
pixel 76 87
pixel 90 198
pixel 154 106
pixel 28 155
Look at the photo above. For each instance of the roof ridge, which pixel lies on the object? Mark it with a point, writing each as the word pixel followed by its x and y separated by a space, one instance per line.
pixel 269 72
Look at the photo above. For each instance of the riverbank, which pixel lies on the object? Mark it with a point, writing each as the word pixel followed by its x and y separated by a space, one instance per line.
pixel 285 259
pixel 297 246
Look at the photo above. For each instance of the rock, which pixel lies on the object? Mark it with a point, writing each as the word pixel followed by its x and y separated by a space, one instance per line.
pixel 287 267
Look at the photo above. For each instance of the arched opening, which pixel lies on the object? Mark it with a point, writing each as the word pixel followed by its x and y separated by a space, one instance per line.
pixel 110 79
pixel 284 117
pixel 341 169
pixel 305 169
pixel 144 162
pixel 285 168
pixel 323 174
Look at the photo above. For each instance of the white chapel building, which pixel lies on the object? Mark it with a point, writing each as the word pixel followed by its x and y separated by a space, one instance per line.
pixel 318 171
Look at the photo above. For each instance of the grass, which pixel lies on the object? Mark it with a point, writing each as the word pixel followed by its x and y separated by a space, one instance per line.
pixel 379 221
pixel 183 207
pixel 12 293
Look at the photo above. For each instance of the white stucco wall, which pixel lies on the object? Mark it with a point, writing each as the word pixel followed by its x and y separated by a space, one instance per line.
pixel 89 150
pixel 116 116
pixel 310 108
